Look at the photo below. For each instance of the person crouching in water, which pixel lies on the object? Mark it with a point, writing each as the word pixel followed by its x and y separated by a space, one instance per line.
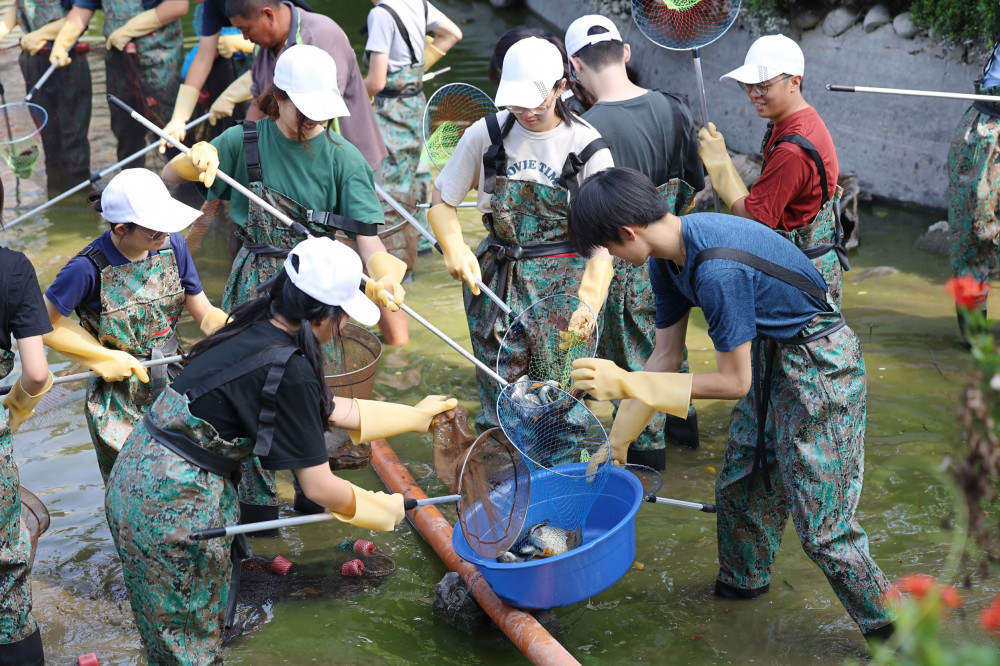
pixel 129 288
pixel 255 387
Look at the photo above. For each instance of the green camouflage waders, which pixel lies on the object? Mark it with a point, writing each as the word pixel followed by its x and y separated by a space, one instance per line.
pixel 628 320
pixel 974 190
pixel 822 240
pixel 16 621
pixel 813 449
pixel 146 80
pixel 140 304
pixel 266 242
pixel 66 97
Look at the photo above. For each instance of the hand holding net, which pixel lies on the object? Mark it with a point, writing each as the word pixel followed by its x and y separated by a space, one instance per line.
pixel 450 111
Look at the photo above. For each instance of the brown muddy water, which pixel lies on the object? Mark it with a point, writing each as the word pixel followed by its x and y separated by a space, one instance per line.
pixel 661 613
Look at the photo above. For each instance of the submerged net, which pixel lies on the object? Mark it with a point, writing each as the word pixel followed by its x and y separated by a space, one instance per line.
pixel 541 344
pixel 21 126
pixel 684 24
pixel 35 517
pixel 495 487
pixel 565 447
pixel 450 111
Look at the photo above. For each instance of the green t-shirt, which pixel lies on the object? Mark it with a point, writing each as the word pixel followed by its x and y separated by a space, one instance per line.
pixel 332 176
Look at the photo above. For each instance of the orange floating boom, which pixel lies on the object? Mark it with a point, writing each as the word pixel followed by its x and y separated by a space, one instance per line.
pixel 521 628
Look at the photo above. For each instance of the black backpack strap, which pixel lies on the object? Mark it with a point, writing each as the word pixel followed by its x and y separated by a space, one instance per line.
pixel 495 157
pixel 764 266
pixel 252 152
pixel 403 32
pixel 96 256
pixel 574 165
pixel 680 136
pixel 349 224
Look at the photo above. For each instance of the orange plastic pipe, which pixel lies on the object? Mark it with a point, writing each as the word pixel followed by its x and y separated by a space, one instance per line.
pixel 521 628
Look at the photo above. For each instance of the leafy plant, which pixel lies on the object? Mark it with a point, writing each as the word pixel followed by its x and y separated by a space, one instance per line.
pixel 973 21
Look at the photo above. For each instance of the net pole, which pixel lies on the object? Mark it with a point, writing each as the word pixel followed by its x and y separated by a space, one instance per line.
pixel 6 119
pixel 912 93
pixel 152 363
pixel 704 107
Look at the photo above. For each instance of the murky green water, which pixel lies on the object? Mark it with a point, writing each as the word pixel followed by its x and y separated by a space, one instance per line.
pixel 664 612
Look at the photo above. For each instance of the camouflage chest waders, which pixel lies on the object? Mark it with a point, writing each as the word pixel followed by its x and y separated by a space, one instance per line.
pixel 801 427
pixel 176 475
pixel 266 242
pixel 974 190
pixel 66 98
pixel 140 304
pixel 146 80
pixel 822 240
pixel 16 621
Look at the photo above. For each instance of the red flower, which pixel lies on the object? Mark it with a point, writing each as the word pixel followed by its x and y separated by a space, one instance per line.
pixel 990 618
pixel 951 598
pixel 967 292
pixel 919 586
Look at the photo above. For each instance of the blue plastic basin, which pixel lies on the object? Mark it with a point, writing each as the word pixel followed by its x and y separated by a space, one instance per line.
pixel 607 552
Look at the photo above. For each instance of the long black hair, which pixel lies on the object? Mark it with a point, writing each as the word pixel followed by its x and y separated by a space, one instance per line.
pixel 293 304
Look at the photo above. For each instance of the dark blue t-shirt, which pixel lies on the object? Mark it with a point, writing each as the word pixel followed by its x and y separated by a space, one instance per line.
pixel 738 301
pixel 94 5
pixel 79 281
pixel 213 17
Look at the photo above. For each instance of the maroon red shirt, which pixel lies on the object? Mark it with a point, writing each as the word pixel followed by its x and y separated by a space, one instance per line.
pixel 788 193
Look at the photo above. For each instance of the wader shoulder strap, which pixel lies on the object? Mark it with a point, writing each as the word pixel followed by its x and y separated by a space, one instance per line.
pixel 96 256
pixel 813 154
pixel 403 32
pixel 328 219
pixel 495 157
pixel 574 165
pixel 789 277
pixel 680 136
pixel 252 151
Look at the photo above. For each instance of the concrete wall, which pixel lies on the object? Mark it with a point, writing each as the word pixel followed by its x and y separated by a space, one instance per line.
pixel 898 146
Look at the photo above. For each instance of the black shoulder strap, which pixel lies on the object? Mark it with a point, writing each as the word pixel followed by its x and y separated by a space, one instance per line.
pixel 403 32
pixel 328 219
pixel 790 278
pixel 495 157
pixel 96 256
pixel 574 164
pixel 811 151
pixel 680 136
pixel 251 151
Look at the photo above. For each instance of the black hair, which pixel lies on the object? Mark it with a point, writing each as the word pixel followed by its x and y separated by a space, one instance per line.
pixel 94 199
pixel 503 45
pixel 248 8
pixel 609 200
pixel 600 55
pixel 268 105
pixel 293 304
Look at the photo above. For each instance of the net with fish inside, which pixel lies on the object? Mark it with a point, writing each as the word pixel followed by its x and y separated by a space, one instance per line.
pixel 450 111
pixel 684 24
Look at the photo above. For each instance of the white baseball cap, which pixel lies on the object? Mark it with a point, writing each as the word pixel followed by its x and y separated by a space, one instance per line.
pixel 139 196
pixel 768 57
pixel 577 37
pixel 308 74
pixel 530 69
pixel 331 272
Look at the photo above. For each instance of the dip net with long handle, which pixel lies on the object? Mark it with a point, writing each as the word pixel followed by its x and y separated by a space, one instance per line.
pixel 684 24
pixel 35 517
pixel 557 436
pixel 450 111
pixel 21 126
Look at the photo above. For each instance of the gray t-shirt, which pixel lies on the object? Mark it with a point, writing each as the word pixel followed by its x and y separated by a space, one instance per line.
pixel 644 136
pixel 384 36
pixel 321 31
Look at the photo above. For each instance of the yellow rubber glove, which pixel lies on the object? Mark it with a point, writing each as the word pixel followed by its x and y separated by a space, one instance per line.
pixel 238 91
pixel 668 392
pixel 112 365
pixel 431 53
pixel 386 272
pixel 213 320
pixel 593 292
pixel 187 99
pixel 8 21
pixel 69 32
pixel 20 404
pixel 632 418
pixel 230 45
pixel 725 178
pixel 137 26
pixel 33 42
pixel 201 163
pixel 459 258
pixel 387 419
pixel 374 511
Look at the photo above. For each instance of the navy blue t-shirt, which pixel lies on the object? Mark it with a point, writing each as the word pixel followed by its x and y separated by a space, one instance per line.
pixel 79 281
pixel 213 17
pixel 94 5
pixel 738 301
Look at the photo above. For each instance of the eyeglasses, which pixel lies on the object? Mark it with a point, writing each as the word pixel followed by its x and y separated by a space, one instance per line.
pixel 152 235
pixel 762 88
pixel 538 110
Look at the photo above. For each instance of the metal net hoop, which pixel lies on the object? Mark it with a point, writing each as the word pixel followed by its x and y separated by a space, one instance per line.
pixel 682 25
pixel 450 111
pixel 21 125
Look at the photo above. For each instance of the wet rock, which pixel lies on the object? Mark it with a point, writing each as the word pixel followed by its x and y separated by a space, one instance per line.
pixel 838 21
pixel 876 17
pixel 454 604
pixel 807 20
pixel 452 438
pixel 904 26
pixel 935 240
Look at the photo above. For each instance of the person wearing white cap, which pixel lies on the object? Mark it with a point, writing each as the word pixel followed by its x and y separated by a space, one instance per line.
pixel 293 160
pixel 653 132
pixel 797 194
pixel 255 387
pixel 129 287
pixel 525 163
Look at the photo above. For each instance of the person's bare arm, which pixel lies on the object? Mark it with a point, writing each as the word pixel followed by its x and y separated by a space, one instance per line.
pixel 378 71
